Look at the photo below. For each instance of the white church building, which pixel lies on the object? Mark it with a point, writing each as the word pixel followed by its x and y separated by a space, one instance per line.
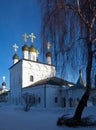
pixel 36 80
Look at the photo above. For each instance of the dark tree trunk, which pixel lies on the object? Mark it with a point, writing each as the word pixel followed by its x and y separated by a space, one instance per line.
pixel 84 99
pixel 81 105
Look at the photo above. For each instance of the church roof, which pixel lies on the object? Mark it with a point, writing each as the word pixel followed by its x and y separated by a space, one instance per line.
pixel 52 81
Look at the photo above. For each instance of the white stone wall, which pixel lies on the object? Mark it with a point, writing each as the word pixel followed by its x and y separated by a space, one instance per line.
pixel 73 94
pixel 37 70
pixel 32 56
pixel 52 92
pixel 38 92
pixel 25 54
pixel 46 93
pixel 20 76
pixel 16 83
pixel 48 59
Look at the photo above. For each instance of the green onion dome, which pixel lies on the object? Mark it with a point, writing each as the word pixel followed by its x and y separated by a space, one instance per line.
pixel 48 54
pixel 25 48
pixel 15 56
pixel 32 49
pixel 3 84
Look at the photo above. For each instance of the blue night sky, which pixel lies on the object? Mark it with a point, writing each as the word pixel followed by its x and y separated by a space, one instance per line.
pixel 16 18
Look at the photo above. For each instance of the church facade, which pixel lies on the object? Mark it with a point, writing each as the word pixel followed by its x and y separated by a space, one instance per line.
pixel 36 82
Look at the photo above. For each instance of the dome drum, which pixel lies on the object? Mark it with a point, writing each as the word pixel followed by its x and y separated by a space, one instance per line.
pixel 48 54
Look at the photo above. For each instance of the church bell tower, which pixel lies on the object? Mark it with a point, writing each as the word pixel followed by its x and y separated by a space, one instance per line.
pixel 48 54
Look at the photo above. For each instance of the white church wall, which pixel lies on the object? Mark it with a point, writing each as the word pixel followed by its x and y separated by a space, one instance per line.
pixel 25 54
pixel 46 96
pixel 32 56
pixel 36 70
pixel 64 97
pixel 75 95
pixel 71 96
pixel 16 74
pixel 38 92
pixel 52 96
pixel 16 82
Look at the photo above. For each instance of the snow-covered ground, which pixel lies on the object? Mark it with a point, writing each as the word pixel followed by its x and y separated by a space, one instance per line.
pixel 14 118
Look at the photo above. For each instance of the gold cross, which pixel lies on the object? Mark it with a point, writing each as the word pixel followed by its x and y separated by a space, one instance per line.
pixel 3 78
pixel 25 37
pixel 15 47
pixel 32 36
pixel 48 45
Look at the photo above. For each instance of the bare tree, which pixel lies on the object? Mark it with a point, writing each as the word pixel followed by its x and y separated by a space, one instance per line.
pixel 29 100
pixel 70 25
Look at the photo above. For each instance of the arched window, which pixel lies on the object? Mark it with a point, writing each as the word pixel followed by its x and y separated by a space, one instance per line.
pixel 70 102
pixel 39 99
pixel 56 99
pixel 31 78
pixel 64 101
pixel 76 101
